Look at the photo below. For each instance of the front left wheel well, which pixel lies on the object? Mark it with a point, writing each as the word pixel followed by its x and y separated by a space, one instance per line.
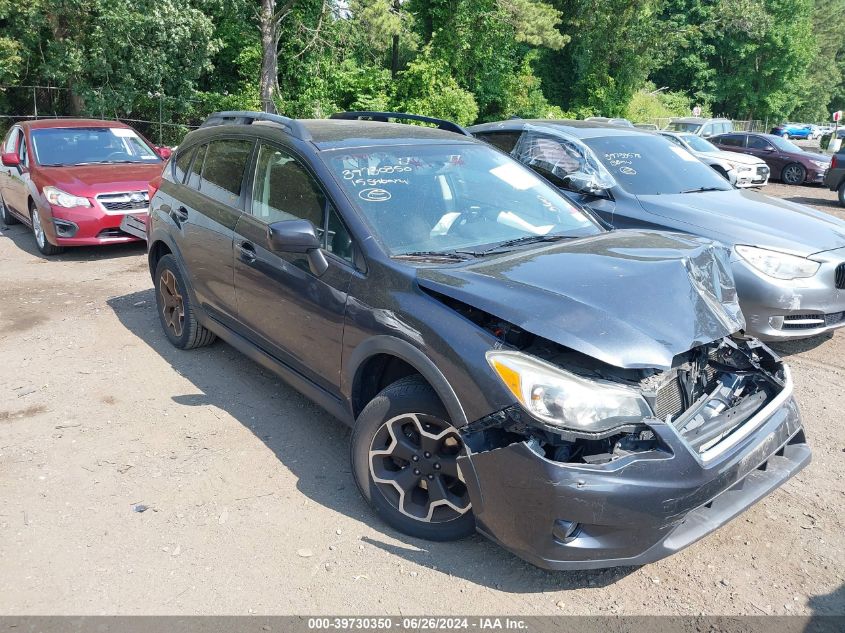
pixel 376 373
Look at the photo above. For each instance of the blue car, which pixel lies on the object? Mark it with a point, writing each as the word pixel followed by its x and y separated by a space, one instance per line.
pixel 796 130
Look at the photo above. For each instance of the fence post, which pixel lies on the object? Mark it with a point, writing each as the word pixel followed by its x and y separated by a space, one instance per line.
pixel 160 119
pixel 34 103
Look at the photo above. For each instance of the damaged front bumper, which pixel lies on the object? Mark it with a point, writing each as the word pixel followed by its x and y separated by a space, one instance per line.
pixel 636 509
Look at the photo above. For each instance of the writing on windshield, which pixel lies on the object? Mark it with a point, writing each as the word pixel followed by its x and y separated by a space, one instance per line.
pixel 442 198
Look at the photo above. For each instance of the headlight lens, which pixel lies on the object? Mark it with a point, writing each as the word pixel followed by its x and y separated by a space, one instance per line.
pixel 820 164
pixel 778 265
pixel 563 399
pixel 61 198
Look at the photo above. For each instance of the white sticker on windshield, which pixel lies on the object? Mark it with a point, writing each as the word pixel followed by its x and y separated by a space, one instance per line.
pixel 122 132
pixel 515 176
pixel 682 153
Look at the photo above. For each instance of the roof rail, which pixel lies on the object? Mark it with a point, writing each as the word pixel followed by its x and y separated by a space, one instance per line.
pixel 248 117
pixel 441 124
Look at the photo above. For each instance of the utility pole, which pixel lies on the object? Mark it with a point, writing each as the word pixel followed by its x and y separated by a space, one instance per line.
pixel 394 60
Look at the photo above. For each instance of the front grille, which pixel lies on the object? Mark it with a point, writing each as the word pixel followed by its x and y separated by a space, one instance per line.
pixel 128 201
pixel 803 321
pixel 669 400
pixel 840 276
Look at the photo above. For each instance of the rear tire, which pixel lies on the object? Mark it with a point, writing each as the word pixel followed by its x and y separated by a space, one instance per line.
pixel 404 459
pixel 793 174
pixel 785 135
pixel 842 193
pixel 41 242
pixel 175 311
pixel 6 216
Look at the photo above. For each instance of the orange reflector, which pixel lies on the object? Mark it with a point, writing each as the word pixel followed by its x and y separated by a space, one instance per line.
pixel 510 378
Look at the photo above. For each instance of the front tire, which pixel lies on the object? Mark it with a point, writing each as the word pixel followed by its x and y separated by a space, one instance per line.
pixel 785 135
pixel 6 216
pixel 404 456
pixel 793 174
pixel 41 241
pixel 175 311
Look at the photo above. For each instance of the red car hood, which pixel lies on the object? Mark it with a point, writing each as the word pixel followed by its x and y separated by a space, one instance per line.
pixel 90 180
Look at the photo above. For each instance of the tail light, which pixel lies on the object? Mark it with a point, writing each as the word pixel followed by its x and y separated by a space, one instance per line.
pixel 833 162
pixel 152 187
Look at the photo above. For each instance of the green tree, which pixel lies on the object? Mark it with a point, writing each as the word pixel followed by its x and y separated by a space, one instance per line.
pixel 613 46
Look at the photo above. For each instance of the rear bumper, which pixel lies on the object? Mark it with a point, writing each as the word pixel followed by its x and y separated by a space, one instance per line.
pixel 630 512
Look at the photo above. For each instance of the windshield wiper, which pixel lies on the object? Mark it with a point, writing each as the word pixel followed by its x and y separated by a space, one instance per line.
pixel 457 256
pixel 702 189
pixel 526 239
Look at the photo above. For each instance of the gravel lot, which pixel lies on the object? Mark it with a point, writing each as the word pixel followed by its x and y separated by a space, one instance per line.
pixel 252 508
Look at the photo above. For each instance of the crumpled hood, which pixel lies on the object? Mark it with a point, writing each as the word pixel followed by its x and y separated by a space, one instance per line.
pixel 747 217
pixel 632 299
pixel 89 180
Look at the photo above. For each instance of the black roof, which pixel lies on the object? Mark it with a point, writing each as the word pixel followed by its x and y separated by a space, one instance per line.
pixel 344 130
pixel 338 133
pixel 581 129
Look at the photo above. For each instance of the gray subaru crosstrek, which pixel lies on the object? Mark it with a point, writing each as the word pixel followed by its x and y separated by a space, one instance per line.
pixel 584 397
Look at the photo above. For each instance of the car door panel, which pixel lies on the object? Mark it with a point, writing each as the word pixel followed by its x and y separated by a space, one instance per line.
pixel 17 180
pixel 283 306
pixel 206 219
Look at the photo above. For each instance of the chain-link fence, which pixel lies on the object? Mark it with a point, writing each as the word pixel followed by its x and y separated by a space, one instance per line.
pixel 162 119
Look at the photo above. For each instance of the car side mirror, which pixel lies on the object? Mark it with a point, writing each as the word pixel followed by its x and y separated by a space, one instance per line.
pixel 10 159
pixel 164 152
pixel 298 236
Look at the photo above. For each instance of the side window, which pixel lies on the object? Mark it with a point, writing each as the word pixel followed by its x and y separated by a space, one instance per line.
pixel 553 159
pixel 196 168
pixel 756 142
pixel 22 151
pixel 707 130
pixel 181 164
pixel 732 140
pixel 284 190
pixel 223 169
pixel 505 141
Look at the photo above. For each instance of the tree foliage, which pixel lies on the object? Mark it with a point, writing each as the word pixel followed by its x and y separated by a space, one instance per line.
pixel 464 59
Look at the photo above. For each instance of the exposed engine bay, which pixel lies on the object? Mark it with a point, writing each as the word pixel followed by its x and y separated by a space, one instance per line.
pixel 709 392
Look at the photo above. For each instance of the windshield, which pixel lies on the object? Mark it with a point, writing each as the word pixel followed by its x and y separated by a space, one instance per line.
pixel 651 165
pixel 442 198
pixel 699 144
pixel 680 126
pixel 783 144
pixel 86 145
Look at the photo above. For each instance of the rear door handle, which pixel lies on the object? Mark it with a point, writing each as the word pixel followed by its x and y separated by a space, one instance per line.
pixel 247 252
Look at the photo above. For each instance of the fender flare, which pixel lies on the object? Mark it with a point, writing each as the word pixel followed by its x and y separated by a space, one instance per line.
pixel 384 344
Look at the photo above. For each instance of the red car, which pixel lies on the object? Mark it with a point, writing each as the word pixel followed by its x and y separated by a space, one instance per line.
pixel 77 182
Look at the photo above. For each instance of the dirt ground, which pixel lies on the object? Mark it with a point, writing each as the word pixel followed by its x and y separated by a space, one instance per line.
pixel 251 505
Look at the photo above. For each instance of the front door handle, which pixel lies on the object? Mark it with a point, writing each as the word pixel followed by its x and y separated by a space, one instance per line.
pixel 247 252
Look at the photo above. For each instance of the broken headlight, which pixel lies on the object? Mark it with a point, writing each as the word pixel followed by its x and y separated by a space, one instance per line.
pixel 561 398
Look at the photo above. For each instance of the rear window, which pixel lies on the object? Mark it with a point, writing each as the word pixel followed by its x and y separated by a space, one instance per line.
pixel 181 164
pixel 732 140
pixel 505 141
pixel 223 170
pixel 681 126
